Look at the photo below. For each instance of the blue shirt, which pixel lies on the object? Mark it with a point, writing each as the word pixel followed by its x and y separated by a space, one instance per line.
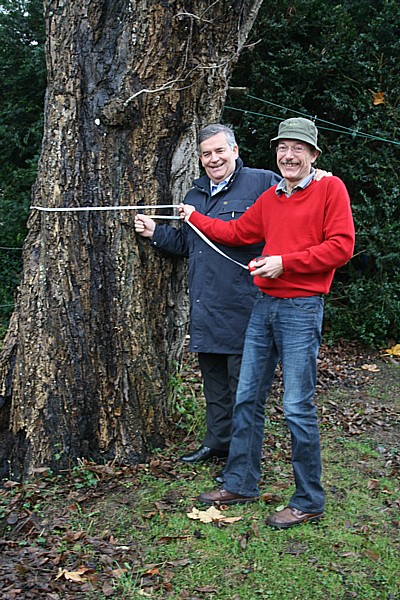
pixel 217 187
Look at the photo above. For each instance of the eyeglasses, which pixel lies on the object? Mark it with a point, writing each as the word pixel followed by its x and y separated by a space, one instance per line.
pixel 297 149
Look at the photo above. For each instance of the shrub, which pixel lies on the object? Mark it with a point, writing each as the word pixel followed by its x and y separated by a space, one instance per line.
pixel 337 62
pixel 23 83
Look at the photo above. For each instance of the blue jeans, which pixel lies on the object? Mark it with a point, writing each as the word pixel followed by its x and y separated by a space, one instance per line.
pixel 286 329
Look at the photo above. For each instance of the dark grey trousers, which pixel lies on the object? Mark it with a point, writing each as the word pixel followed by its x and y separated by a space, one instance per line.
pixel 220 374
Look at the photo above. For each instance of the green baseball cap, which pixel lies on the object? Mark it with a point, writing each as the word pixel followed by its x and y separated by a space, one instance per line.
pixel 300 129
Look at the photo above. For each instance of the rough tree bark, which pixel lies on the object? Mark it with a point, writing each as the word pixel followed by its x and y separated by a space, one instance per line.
pixel 99 318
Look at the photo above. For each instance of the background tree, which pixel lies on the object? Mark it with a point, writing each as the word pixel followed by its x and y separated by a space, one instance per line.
pixel 340 63
pixel 23 82
pixel 348 57
pixel 98 323
pixel 337 61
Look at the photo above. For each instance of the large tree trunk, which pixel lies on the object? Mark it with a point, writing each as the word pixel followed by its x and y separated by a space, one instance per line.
pixel 99 318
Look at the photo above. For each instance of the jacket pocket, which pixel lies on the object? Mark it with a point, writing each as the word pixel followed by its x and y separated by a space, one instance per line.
pixel 232 209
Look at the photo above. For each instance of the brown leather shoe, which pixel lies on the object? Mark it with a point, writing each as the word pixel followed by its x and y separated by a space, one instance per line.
pixel 221 496
pixel 288 517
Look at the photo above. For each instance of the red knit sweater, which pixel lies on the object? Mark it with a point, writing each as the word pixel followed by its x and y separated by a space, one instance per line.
pixel 312 230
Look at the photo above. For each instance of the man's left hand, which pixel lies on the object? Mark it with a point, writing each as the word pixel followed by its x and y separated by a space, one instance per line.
pixel 320 174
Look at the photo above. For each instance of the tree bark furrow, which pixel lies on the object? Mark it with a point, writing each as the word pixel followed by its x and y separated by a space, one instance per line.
pixel 100 318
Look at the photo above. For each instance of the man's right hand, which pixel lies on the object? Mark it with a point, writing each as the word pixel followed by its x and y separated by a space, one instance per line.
pixel 185 210
pixel 144 226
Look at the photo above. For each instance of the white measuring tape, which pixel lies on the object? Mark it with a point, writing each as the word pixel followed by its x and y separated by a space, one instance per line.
pixel 151 207
pixel 214 247
pixel 91 208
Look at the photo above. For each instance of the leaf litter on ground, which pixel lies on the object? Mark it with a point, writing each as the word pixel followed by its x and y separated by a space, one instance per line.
pixel 43 556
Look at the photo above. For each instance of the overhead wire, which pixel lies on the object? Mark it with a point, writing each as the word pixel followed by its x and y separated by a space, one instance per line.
pixel 336 127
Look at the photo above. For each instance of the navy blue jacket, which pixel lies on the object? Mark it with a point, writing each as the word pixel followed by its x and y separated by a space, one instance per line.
pixel 222 294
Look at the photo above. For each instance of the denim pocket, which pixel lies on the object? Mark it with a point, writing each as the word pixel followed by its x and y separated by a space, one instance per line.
pixel 308 304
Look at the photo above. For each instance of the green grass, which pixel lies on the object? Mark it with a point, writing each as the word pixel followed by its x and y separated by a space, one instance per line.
pixel 352 553
pixel 129 526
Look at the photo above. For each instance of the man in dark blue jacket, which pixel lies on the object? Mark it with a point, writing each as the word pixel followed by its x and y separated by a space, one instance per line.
pixel 221 293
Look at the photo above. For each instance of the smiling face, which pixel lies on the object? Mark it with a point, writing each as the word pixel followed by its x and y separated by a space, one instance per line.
pixel 217 157
pixel 294 160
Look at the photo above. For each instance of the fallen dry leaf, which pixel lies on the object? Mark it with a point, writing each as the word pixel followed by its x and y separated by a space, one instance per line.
pixel 269 497
pixel 379 98
pixel 182 562
pixel 12 518
pixel 373 484
pixel 372 555
pixel 230 519
pixel 211 515
pixel 107 589
pixel 394 350
pixel 73 575
pixel 151 571
pixel 201 515
pixel 118 572
pixel 373 368
pixel 350 555
pixel 166 539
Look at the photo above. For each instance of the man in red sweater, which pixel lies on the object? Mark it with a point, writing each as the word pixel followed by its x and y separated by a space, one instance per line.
pixel 308 231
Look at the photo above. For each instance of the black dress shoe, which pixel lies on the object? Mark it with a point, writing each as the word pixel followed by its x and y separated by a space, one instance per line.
pixel 219 478
pixel 204 454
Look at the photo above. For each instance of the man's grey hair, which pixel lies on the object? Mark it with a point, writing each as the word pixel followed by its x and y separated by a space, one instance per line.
pixel 215 128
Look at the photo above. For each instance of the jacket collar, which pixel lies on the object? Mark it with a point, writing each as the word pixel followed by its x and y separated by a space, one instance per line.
pixel 203 183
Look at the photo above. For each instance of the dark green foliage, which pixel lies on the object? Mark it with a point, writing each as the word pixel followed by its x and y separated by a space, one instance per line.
pixel 328 60
pixel 314 57
pixel 23 82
